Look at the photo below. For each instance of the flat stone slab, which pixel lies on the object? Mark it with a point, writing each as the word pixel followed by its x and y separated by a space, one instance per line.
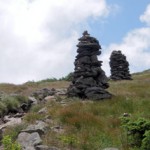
pixel 40 127
pixel 11 122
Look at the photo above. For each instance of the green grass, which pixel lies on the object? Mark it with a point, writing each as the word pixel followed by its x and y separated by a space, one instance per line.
pixel 97 125
pixel 32 116
pixel 93 124
pixel 10 103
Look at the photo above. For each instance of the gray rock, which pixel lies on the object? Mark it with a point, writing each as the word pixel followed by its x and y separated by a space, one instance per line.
pixel 42 147
pixel 97 93
pixel 48 119
pixel 29 148
pixel 63 103
pixel 57 129
pixel 43 111
pixel 126 115
pixel 1 121
pixel 10 121
pixel 27 140
pixel 19 115
pixel 1 134
pixel 61 92
pixel 53 148
pixel 40 127
pixel 49 98
pixel 1 147
pixel 32 100
pixel 41 94
pixel 25 106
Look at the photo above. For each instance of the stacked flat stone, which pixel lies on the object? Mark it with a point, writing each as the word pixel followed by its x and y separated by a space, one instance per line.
pixel 89 80
pixel 119 66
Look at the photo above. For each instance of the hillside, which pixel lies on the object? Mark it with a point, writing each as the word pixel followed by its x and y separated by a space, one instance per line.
pixel 84 125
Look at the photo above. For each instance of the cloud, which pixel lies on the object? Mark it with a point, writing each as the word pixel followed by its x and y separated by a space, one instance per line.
pixel 38 37
pixel 135 45
pixel 146 16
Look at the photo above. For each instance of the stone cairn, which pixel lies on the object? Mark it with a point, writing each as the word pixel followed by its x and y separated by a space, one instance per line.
pixel 119 66
pixel 89 80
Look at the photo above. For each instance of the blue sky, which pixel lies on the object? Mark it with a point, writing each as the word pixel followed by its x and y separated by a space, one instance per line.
pixel 121 21
pixel 38 38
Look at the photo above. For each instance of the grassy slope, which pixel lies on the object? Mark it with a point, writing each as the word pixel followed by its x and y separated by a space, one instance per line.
pixel 92 125
pixel 27 88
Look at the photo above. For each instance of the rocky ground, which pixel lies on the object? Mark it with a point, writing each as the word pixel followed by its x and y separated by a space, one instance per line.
pixel 30 138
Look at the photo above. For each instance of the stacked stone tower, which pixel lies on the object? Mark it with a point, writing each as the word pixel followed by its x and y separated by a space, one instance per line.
pixel 119 66
pixel 89 80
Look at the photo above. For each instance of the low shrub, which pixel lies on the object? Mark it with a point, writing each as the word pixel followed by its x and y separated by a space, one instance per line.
pixel 146 141
pixel 10 103
pixel 138 132
pixel 69 140
pixel 9 145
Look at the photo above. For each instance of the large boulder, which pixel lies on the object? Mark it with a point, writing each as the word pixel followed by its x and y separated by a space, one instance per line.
pixel 29 141
pixel 97 93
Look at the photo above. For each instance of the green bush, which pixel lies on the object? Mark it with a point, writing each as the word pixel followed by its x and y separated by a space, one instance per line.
pixel 138 132
pixel 21 98
pixel 70 140
pixel 3 109
pixel 11 102
pixel 9 145
pixel 146 141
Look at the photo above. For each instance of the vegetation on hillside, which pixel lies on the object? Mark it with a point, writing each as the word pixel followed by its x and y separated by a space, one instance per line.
pixel 95 124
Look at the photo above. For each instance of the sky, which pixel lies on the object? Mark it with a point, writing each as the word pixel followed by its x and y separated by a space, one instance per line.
pixel 38 38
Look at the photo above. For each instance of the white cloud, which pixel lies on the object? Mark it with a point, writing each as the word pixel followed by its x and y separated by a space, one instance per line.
pixel 38 37
pixel 146 16
pixel 135 45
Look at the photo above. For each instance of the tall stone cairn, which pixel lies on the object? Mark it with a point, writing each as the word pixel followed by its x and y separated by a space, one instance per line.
pixel 89 80
pixel 119 66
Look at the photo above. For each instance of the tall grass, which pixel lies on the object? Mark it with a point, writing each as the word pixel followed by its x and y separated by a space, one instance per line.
pixel 10 103
pixel 96 124
pixel 32 116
